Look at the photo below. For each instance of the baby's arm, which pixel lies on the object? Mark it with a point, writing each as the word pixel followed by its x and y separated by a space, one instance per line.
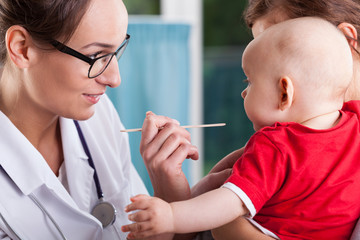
pixel 207 211
pixel 240 228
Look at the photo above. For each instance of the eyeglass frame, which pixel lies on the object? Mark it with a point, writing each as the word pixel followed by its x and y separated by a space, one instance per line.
pixel 72 52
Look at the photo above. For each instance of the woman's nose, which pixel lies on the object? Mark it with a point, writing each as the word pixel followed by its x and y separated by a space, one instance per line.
pixel 111 75
pixel 243 93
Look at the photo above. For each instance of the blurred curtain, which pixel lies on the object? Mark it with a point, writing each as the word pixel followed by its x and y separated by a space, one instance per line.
pixel 155 72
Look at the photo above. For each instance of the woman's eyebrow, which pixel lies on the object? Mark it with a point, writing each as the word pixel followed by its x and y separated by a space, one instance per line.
pixel 98 44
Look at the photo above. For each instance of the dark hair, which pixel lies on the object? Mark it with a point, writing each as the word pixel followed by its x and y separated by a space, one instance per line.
pixel 43 19
pixel 334 11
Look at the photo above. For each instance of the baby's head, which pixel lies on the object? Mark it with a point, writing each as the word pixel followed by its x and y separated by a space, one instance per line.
pixel 296 69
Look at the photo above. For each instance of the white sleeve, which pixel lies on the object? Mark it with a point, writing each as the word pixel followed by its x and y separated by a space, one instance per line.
pixel 242 195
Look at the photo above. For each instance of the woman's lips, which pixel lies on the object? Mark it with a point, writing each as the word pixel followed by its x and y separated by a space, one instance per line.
pixel 93 98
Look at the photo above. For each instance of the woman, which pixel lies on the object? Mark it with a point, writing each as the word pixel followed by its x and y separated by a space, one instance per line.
pixel 261 14
pixel 60 178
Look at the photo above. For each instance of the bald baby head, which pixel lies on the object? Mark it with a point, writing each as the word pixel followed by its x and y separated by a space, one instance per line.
pixel 311 51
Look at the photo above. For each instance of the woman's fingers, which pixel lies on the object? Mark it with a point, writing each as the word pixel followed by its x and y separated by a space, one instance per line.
pixel 151 126
pixel 164 146
pixel 218 174
pixel 228 161
pixel 210 182
pixel 172 144
pixel 165 142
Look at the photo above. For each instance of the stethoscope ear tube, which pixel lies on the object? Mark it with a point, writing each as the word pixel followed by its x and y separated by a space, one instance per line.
pixel 9 227
pixel 3 218
pixel 43 209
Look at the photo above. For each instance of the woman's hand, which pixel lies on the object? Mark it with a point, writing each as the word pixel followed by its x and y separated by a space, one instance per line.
pixel 164 146
pixel 218 174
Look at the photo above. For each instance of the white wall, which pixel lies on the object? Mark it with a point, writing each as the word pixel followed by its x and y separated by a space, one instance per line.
pixel 190 11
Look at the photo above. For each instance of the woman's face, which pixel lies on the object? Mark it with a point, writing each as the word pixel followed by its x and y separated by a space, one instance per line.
pixel 58 83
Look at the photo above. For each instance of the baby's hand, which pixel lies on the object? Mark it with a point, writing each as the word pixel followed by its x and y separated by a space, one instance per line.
pixel 153 218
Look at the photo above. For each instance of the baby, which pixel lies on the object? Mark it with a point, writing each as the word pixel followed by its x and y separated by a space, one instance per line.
pixel 298 177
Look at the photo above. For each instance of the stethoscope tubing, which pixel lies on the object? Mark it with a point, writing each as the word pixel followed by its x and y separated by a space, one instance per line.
pixel 90 160
pixel 104 211
pixel 38 203
pixel 9 227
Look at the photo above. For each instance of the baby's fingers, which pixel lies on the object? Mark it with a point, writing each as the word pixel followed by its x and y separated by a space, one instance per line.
pixel 138 202
pixel 137 230
pixel 140 216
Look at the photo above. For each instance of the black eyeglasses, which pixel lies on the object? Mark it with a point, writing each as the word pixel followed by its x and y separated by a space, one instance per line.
pixel 97 65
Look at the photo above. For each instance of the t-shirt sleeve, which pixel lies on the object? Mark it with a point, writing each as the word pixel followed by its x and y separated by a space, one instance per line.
pixel 259 173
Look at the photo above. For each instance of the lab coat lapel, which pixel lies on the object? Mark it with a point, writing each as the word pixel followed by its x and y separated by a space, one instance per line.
pixel 79 173
pixel 25 167
pixel 24 161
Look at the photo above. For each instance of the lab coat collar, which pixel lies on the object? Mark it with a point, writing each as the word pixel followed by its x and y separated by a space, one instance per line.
pixel 72 146
pixel 28 169
pixel 21 160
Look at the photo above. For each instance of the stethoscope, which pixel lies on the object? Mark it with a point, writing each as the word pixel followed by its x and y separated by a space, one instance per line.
pixel 104 211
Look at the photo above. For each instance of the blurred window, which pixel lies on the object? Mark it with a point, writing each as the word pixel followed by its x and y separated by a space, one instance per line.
pixel 143 7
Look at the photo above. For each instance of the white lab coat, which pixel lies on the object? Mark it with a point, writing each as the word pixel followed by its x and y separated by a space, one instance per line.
pixel 26 172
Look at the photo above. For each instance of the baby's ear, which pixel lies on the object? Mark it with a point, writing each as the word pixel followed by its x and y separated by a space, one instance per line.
pixel 350 32
pixel 286 93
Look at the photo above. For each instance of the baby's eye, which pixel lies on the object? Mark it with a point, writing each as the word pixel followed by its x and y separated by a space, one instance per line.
pixel 247 81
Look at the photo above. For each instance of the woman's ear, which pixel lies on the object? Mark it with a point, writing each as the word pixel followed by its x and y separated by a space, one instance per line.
pixel 350 33
pixel 17 43
pixel 286 93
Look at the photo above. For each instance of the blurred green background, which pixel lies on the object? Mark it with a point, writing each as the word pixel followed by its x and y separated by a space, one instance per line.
pixel 225 36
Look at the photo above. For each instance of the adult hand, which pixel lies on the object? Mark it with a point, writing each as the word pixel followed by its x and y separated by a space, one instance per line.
pixel 164 146
pixel 218 174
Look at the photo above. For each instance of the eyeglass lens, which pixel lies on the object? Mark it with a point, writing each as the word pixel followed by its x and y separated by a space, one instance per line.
pixel 103 62
pixel 100 65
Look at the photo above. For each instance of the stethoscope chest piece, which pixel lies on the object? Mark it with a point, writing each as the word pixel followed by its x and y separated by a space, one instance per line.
pixel 105 212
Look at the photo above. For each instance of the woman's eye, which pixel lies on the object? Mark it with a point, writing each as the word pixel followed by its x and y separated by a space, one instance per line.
pixel 95 55
pixel 105 58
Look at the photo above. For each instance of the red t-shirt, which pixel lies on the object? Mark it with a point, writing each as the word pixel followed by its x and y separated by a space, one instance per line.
pixel 304 183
